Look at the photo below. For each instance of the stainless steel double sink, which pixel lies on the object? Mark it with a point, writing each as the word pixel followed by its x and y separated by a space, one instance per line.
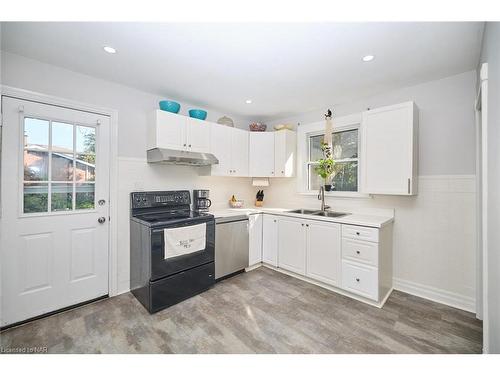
pixel 303 211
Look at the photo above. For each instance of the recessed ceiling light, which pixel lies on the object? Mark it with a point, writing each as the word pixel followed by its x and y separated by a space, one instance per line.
pixel 248 101
pixel 109 49
pixel 368 58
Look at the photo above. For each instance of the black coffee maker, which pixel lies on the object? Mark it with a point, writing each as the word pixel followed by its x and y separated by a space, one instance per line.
pixel 201 203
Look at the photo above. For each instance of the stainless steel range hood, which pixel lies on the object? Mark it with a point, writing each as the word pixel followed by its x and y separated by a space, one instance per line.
pixel 167 156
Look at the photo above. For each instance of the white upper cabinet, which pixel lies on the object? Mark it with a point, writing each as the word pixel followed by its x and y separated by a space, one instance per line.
pixel 390 150
pixel 176 132
pixel 272 154
pixel 284 153
pixel 239 152
pixel 220 146
pixel 198 135
pixel 230 146
pixel 261 163
pixel 167 130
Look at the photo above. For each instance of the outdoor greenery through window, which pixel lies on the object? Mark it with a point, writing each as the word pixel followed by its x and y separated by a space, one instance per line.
pixel 345 154
pixel 59 166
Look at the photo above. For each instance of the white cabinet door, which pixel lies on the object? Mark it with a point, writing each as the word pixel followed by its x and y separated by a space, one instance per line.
pixel 261 150
pixel 324 252
pixel 167 130
pixel 254 239
pixel 390 149
pixel 220 146
pixel 239 152
pixel 270 240
pixel 198 135
pixel 284 153
pixel 292 245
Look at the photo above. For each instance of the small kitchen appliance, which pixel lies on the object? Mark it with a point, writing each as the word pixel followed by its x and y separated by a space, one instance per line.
pixel 201 202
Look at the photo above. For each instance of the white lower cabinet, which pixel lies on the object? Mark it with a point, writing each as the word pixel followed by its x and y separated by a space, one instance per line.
pixel 255 239
pixel 292 245
pixel 360 279
pixel 353 258
pixel 323 252
pixel 270 240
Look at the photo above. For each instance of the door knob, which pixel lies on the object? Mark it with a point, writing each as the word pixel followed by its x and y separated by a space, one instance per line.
pixel 101 220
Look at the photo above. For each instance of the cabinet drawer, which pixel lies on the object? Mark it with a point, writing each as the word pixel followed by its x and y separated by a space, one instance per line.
pixel 360 279
pixel 360 251
pixel 360 233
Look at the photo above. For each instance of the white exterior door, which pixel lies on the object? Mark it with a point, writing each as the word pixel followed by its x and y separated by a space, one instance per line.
pixel 54 223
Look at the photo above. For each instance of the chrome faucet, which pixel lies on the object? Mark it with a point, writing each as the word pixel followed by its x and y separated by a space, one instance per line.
pixel 321 197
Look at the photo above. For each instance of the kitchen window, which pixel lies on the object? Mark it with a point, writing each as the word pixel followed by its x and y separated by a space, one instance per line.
pixel 346 155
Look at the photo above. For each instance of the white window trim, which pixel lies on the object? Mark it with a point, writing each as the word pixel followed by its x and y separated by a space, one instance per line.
pixel 304 131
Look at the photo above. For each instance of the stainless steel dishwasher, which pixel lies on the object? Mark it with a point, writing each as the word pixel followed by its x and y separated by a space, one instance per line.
pixel 231 245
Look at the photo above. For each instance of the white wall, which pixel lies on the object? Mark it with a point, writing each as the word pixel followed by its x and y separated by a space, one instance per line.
pixel 491 55
pixel 434 232
pixel 133 107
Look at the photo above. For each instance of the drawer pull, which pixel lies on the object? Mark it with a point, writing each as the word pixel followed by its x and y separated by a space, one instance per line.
pixel 357 233
pixel 358 252
pixel 357 279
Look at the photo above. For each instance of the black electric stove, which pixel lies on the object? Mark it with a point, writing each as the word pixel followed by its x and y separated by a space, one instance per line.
pixel 158 279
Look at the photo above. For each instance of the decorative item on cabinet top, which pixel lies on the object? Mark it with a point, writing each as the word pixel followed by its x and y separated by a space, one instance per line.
pixel 200 114
pixel 283 127
pixel 170 106
pixel 224 120
pixel 257 127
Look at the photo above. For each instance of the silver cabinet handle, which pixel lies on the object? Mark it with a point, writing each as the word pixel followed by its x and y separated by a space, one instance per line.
pixel 101 202
pixel 101 220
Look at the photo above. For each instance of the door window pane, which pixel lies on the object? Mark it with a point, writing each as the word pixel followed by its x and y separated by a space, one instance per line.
pixel 62 197
pixel 85 196
pixel 62 137
pixel 35 197
pixel 85 140
pixel 62 167
pixel 36 165
pixel 36 134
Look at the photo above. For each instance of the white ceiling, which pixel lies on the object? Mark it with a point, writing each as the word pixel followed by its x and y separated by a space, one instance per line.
pixel 285 68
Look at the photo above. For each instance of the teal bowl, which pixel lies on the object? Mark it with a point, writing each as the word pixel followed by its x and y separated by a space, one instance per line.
pixel 169 106
pixel 198 113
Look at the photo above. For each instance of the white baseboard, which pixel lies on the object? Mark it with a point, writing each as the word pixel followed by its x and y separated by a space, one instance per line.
pixel 437 295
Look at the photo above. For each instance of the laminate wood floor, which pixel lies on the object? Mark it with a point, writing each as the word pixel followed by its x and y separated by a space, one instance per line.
pixel 262 311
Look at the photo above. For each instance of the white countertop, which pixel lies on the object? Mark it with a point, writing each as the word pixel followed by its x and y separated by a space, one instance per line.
pixel 354 219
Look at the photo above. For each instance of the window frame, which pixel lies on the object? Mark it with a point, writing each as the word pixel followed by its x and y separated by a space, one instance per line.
pixel 49 182
pixel 305 131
